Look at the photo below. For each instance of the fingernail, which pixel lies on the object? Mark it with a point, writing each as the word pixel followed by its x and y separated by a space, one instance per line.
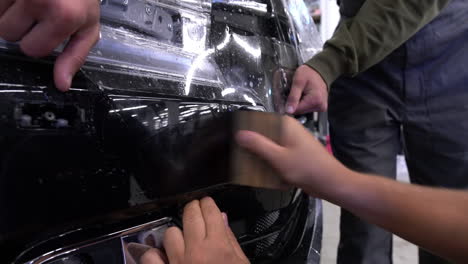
pixel 225 218
pixel 69 80
pixel 289 109
pixel 137 250
pixel 65 84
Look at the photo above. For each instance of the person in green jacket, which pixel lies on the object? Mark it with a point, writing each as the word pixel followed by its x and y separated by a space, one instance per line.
pixel 394 71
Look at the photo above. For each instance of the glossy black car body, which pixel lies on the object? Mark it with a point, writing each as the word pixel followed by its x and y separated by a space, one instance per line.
pixel 114 159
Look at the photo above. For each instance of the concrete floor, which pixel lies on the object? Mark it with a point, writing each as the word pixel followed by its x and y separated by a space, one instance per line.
pixel 403 251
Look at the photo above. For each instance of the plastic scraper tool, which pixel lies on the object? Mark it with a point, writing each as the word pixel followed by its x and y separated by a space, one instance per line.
pixel 247 168
pixel 211 157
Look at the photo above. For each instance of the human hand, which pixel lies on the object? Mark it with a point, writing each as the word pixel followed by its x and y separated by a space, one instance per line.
pixel 42 25
pixel 206 239
pixel 136 253
pixel 308 92
pixel 299 158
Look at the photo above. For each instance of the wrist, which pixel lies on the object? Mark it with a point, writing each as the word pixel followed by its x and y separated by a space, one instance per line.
pixel 328 182
pixel 352 190
pixel 336 184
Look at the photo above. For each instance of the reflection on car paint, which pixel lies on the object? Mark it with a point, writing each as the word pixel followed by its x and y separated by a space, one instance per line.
pixel 128 144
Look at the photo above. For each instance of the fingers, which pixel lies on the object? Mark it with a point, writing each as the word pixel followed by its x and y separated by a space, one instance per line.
pixel 144 254
pixel 260 145
pixel 153 256
pixel 214 222
pixel 194 225
pixel 74 56
pixel 174 245
pixel 42 25
pixel 15 22
pixel 180 249
pixel 137 250
pixel 44 38
pixel 309 92
pixel 296 92
pixel 311 103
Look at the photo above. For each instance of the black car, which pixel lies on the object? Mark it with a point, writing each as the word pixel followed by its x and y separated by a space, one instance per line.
pixel 144 129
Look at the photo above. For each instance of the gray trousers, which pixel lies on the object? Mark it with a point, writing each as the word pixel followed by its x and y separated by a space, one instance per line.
pixel 418 95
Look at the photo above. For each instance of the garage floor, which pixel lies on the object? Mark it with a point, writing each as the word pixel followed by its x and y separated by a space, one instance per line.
pixel 403 251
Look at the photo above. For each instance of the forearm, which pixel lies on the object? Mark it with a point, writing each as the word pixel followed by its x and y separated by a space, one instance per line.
pixel 435 219
pixel 378 28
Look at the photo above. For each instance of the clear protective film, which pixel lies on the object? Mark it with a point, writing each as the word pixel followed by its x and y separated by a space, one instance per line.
pixel 148 125
pixel 231 50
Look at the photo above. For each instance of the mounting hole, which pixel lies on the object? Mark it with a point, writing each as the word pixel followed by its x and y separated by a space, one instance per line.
pixel 49 116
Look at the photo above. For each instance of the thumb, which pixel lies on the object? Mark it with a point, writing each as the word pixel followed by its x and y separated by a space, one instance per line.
pixel 261 146
pixel 294 97
pixel 309 103
pixel 174 245
pixel 74 56
pixel 145 254
pixel 297 88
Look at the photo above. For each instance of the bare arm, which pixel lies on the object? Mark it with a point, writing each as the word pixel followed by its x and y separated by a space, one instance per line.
pixel 435 219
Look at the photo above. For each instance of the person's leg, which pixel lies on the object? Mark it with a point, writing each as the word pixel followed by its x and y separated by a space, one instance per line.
pixel 436 96
pixel 366 140
pixel 437 154
pixel 365 136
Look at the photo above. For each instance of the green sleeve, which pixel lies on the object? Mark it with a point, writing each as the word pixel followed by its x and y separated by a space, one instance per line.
pixel 378 28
